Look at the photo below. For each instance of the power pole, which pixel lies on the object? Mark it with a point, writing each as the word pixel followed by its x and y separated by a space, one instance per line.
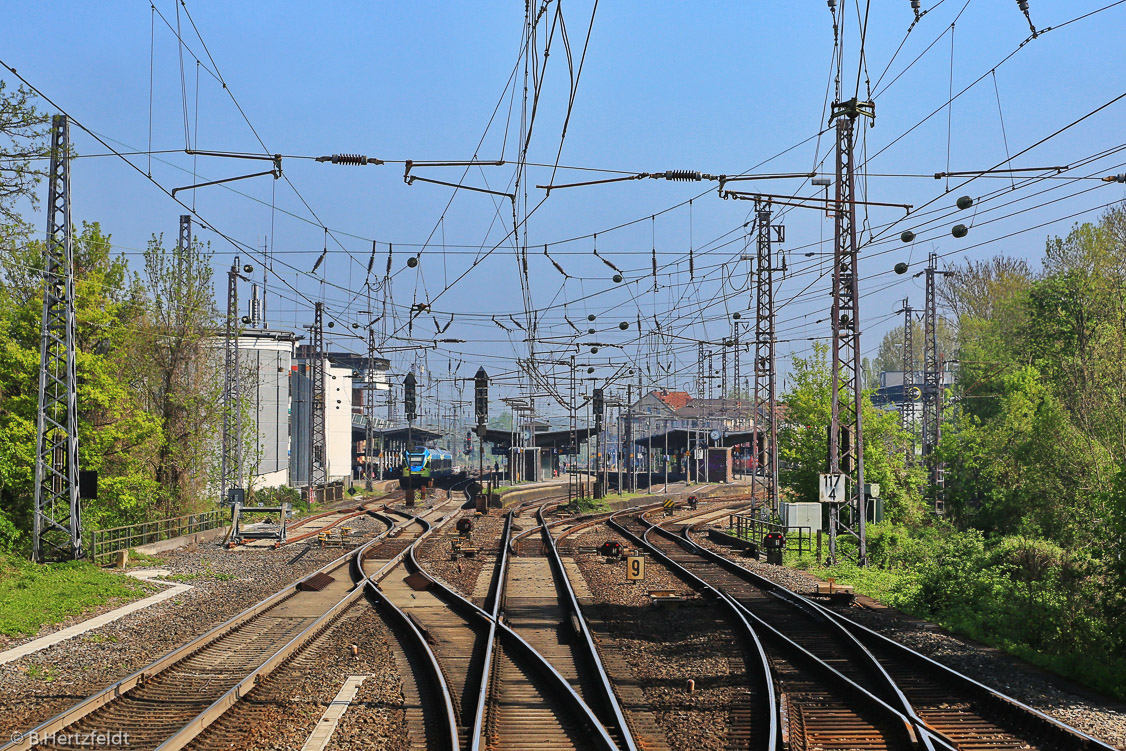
pixel 700 368
pixel 765 400
pixel 318 450
pixel 735 342
pixel 369 410
pixel 628 453
pixel 711 374
pixel 230 472
pixel 932 388
pixel 58 517
pixel 723 374
pixel 907 406
pixel 846 372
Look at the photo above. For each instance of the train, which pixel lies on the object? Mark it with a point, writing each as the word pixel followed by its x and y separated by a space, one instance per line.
pixel 421 466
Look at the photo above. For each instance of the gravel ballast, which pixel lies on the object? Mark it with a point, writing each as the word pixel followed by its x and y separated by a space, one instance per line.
pixel 665 646
pixel 1104 719
pixel 223 583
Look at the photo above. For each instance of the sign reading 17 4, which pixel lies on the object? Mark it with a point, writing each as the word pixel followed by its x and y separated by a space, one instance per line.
pixel 832 489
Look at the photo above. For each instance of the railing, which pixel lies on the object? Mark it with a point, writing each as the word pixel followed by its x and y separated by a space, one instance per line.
pixel 753 528
pixel 104 542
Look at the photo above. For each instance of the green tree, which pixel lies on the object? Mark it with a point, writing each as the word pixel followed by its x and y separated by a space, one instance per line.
pixel 172 367
pixel 115 432
pixel 803 441
pixel 23 144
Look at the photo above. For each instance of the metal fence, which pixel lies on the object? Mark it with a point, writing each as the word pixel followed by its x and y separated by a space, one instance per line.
pixel 754 528
pixel 104 542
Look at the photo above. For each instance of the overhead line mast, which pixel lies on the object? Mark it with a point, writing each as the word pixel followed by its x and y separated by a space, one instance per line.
pixel 318 457
pixel 765 399
pixel 846 430
pixel 58 519
pixel 907 405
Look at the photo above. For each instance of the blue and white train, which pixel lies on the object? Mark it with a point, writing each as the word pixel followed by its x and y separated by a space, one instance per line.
pixel 421 466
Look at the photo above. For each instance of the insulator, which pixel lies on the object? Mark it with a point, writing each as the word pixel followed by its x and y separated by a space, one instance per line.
pixel 832 4
pixel 684 175
pixel 916 4
pixel 356 159
pixel 1023 5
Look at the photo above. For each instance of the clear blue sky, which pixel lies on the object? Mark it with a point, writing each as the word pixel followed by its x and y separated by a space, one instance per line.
pixel 718 87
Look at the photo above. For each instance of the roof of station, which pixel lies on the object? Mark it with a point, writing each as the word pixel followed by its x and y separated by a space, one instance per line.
pixel 680 439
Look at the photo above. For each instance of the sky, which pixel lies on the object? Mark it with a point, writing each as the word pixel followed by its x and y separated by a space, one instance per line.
pixel 722 88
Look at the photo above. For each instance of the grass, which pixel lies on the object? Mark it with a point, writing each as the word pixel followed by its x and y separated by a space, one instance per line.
pixel 32 596
pixel 47 675
pixel 138 557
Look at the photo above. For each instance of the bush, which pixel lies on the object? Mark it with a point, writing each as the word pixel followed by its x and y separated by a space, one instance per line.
pixel 1020 593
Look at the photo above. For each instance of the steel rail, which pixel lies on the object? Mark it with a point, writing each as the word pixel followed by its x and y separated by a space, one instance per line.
pixel 923 739
pixel 500 632
pixel 609 695
pixel 109 694
pixel 1000 701
pixel 866 657
pixel 766 673
pixel 436 674
pixel 923 732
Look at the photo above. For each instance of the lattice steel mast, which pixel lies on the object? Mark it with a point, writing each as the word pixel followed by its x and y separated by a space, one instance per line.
pixel 369 409
pixel 318 460
pixel 230 471
pixel 58 518
pixel 932 388
pixel 907 405
pixel 765 398
pixel 847 457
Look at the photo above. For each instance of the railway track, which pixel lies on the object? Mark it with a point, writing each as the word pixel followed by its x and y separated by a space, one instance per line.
pixel 956 708
pixel 944 708
pixel 171 701
pixel 805 701
pixel 503 690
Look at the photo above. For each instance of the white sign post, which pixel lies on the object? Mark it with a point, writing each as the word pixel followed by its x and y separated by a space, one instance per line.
pixel 832 489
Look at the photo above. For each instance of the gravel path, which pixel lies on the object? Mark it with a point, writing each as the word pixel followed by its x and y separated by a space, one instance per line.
pixel 1104 719
pixel 224 582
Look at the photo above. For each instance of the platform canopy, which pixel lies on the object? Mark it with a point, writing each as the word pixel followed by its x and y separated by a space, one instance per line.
pixel 679 440
pixel 549 439
pixel 418 435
